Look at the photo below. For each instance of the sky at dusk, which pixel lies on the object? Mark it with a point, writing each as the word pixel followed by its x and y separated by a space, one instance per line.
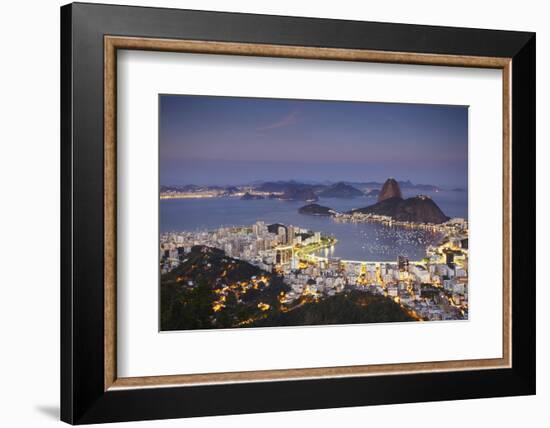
pixel 210 140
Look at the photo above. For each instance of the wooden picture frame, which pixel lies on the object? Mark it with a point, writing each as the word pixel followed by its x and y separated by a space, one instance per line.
pixel 91 390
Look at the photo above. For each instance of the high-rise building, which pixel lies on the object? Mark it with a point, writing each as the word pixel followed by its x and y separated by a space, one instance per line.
pixel 317 237
pixel 259 228
pixel 290 235
pixel 284 256
pixel 281 233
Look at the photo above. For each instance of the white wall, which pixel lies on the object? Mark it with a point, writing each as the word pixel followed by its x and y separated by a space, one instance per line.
pixel 29 231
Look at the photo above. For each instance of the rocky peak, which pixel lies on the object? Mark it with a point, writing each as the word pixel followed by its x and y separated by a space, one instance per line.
pixel 390 189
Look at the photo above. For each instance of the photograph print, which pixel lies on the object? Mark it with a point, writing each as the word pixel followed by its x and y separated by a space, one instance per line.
pixel 289 212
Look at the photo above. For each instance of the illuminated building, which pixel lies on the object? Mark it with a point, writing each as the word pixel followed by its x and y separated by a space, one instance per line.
pixel 281 233
pixel 290 235
pixel 403 263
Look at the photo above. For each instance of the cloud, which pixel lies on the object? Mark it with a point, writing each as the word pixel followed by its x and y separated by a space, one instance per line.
pixel 286 120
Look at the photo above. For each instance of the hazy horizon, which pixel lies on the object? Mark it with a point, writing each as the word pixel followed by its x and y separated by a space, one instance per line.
pixel 309 181
pixel 208 140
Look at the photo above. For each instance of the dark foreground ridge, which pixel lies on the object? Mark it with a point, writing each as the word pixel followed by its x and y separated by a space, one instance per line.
pixel 350 307
pixel 189 292
pixel 211 290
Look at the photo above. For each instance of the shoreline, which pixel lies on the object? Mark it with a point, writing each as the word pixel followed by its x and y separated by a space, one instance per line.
pixel 450 227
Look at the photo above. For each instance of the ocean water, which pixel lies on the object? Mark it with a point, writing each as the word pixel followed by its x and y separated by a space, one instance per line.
pixel 367 241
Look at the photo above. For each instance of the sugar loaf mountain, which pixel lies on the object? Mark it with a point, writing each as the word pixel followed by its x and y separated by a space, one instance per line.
pixel 417 209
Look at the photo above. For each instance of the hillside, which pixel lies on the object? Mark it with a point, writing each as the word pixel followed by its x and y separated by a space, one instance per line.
pixel 316 209
pixel 353 307
pixel 299 193
pixel 189 292
pixel 340 190
pixel 211 290
pixel 418 209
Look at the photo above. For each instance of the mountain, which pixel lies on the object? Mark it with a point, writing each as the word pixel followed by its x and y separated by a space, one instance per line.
pixel 390 189
pixel 340 190
pixel 365 185
pixel 418 209
pixel 299 192
pixel 316 209
pixel 372 193
pixel 291 190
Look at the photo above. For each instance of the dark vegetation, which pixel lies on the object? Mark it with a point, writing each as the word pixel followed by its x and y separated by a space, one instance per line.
pixel 190 291
pixel 316 209
pixel 351 307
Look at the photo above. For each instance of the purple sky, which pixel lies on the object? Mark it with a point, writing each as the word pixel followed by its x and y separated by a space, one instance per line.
pixel 230 140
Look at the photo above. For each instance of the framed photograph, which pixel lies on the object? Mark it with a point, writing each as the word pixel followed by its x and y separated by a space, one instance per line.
pixel 267 213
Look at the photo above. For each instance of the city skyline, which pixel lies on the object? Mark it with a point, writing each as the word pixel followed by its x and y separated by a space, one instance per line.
pixel 210 140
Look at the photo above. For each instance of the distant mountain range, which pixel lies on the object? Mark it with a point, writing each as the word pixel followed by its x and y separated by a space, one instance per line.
pixel 299 192
pixel 362 186
pixel 340 190
pixel 192 188
pixel 302 191
pixel 404 185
